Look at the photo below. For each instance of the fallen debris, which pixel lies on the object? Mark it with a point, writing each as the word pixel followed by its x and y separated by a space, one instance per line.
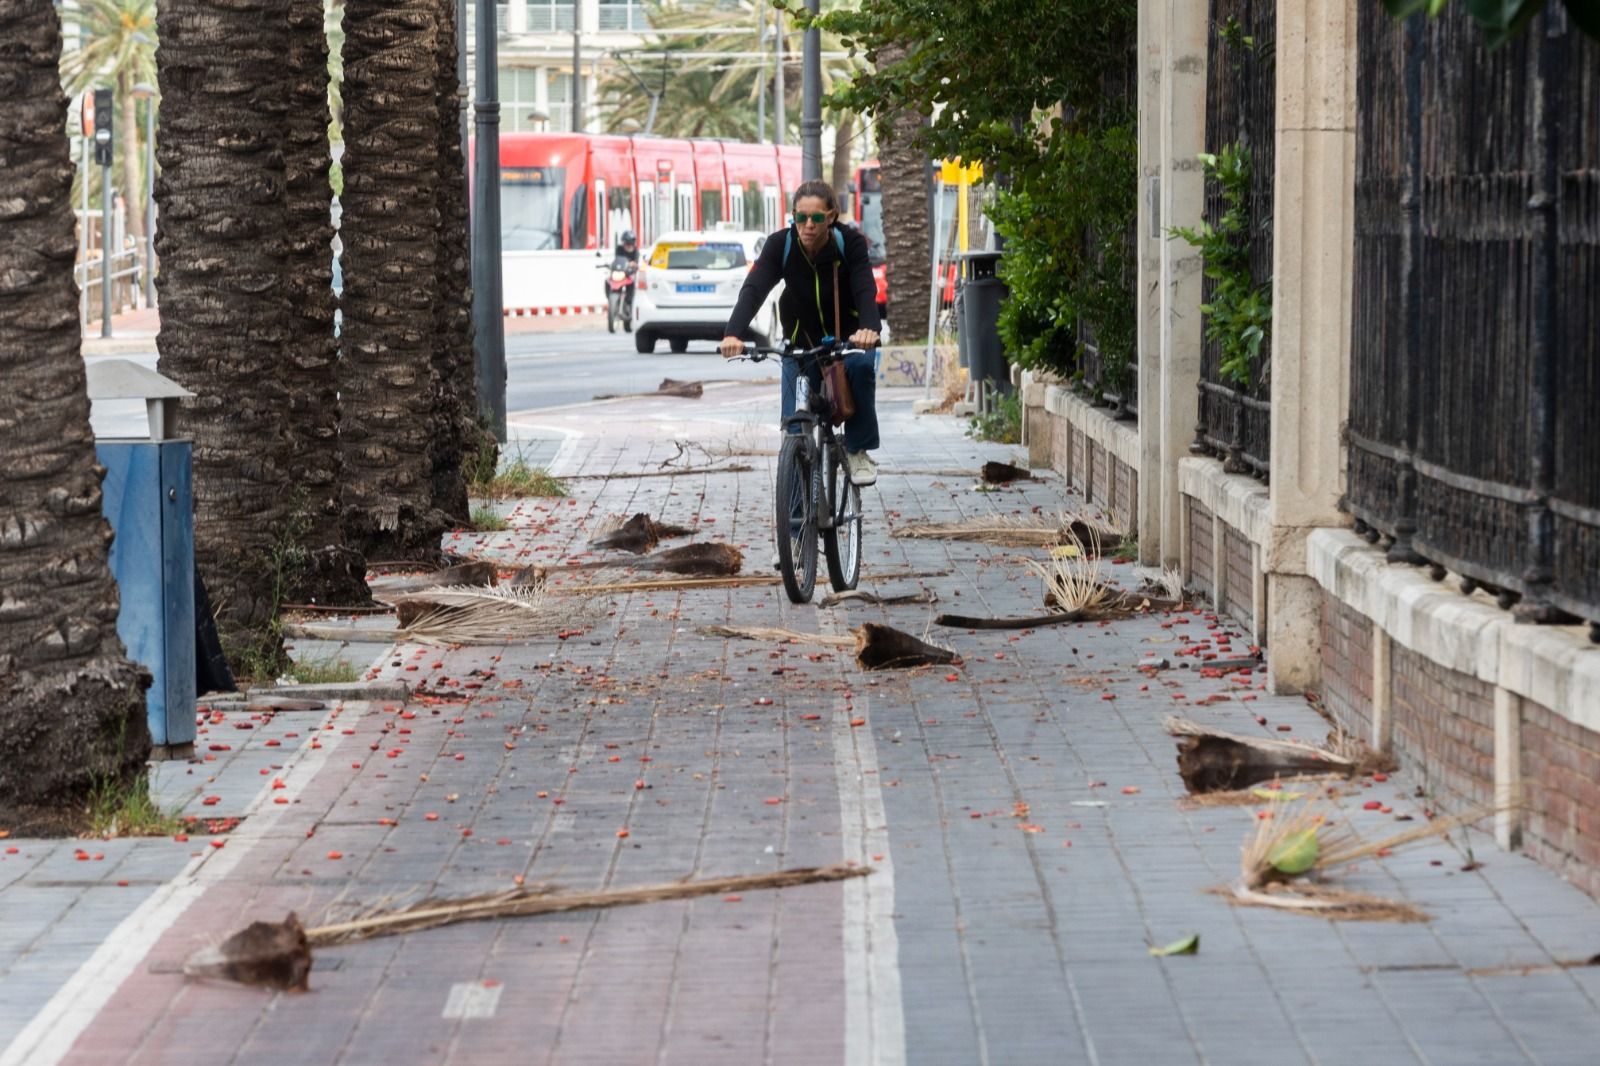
pixel 486 616
pixel 731 468
pixel 268 954
pixel 688 390
pixel 961 621
pixel 639 534
pixel 880 647
pixel 1008 532
pixel 1211 760
pixel 782 636
pixel 667 583
pixel 279 955
pixel 994 473
pixel 834 599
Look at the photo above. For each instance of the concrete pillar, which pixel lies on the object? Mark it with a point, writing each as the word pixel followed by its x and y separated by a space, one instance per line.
pixel 1151 240
pixel 1507 768
pixel 1182 201
pixel 1313 245
pixel 1382 691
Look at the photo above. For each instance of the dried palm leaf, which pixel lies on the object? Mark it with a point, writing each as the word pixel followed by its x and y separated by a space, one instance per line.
pixel 1073 581
pixel 1211 760
pixel 782 636
pixel 1012 532
pixel 663 584
pixel 487 616
pixel 1327 901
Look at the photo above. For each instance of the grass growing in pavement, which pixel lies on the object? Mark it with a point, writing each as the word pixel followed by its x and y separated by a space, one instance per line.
pixel 328 671
pixel 128 810
pixel 517 479
pixel 488 520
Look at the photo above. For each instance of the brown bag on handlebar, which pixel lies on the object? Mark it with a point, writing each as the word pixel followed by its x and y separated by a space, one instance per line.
pixel 835 383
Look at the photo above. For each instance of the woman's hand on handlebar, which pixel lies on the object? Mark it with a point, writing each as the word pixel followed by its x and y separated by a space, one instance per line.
pixel 731 347
pixel 864 338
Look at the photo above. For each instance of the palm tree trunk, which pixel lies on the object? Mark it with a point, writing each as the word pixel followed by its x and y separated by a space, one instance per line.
pixel 224 306
pixel 842 137
pixel 132 161
pixel 390 234
pixel 455 428
pixel 330 572
pixel 903 173
pixel 73 705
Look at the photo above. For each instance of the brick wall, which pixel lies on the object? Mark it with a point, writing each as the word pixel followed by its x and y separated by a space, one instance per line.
pixel 1099 474
pixel 1078 461
pixel 1041 442
pixel 1125 496
pixel 1238 578
pixel 1200 577
pixel 1443 729
pixel 1347 667
pixel 1561 783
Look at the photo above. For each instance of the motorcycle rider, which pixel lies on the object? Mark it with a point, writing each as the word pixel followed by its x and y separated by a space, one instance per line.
pixel 627 247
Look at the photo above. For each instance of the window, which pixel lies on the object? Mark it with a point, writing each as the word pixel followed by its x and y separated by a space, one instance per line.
pixel 548 16
pixel 706 257
pixel 519 99
pixel 752 214
pixel 647 213
pixel 580 219
pixel 531 208
pixel 771 208
pixel 619 208
pixel 710 207
pixel 622 15
pixel 602 220
pixel 558 94
pixel 685 206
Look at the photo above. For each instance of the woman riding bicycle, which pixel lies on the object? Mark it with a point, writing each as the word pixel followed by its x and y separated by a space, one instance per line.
pixel 828 292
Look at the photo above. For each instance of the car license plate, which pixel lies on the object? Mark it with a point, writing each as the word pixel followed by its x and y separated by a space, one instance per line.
pixel 682 287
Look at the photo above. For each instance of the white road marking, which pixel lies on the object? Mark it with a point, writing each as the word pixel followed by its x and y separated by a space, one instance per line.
pixel 874 1015
pixel 472 999
pixel 50 1035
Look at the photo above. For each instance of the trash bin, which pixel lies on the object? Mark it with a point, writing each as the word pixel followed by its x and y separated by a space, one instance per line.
pixel 982 295
pixel 148 497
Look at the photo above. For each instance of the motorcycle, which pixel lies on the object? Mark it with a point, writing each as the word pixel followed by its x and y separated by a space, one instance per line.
pixel 619 293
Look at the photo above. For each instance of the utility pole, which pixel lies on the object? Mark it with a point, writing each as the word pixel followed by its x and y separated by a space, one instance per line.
pixel 104 104
pixel 577 66
pixel 777 89
pixel 487 313
pixel 761 77
pixel 811 101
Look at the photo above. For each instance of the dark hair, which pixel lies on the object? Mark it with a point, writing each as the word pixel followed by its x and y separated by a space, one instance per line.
pixel 818 188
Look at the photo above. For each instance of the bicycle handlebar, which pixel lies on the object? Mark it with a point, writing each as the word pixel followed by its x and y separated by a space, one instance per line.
pixel 758 352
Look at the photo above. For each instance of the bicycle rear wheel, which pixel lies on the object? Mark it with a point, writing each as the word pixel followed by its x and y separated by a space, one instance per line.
pixel 795 519
pixel 841 542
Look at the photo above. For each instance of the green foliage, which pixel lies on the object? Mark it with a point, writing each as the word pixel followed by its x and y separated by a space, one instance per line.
pixel 989 75
pixel 488 520
pixel 118 45
pixel 1067 259
pixel 328 671
pixel 1503 19
pixel 126 809
pixel 1239 315
pixel 1003 425
pixel 489 479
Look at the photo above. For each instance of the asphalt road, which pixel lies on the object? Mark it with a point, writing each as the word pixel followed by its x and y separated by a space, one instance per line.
pixel 556 369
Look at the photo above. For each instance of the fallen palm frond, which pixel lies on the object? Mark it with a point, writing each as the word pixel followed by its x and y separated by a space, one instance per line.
pixel 1290 788
pixel 880 647
pixel 475 572
pixel 994 473
pixel 731 468
pixel 279 955
pixel 1211 760
pixel 636 534
pixel 782 636
pixel 1073 579
pixel 1326 901
pixel 689 390
pixel 1012 532
pixel 664 584
pixel 704 559
pixel 486 616
pixel 961 621
pixel 1167 581
pixel 834 599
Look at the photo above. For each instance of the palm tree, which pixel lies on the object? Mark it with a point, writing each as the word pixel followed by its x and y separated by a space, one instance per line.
pixel 118 47
pixel 73 705
pixel 328 570
pixel 903 174
pixel 225 308
pixel 455 430
pixel 389 230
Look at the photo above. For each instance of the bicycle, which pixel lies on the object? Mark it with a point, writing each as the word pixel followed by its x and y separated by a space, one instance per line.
pixel 813 495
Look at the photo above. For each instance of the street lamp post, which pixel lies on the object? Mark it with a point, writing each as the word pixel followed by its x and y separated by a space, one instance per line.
pixel 487 297
pixel 761 77
pixel 577 66
pixel 103 105
pixel 777 88
pixel 147 93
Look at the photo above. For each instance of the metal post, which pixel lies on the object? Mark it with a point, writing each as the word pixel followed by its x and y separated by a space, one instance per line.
pixel 463 90
pixel 1405 522
pixel 105 250
pixel 761 77
pixel 933 301
pixel 150 201
pixel 83 230
pixel 577 66
pixel 487 299
pixel 1544 237
pixel 777 85
pixel 811 101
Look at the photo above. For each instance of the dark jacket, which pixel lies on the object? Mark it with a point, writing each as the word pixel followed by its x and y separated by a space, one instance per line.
pixel 806 306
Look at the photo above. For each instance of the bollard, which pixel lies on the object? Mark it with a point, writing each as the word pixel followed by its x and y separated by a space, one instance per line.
pixel 148 497
pixel 982 296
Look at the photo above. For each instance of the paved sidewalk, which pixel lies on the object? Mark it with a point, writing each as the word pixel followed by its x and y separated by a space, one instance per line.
pixel 1021 812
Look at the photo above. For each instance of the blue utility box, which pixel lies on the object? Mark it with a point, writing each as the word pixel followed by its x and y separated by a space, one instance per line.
pixel 148 497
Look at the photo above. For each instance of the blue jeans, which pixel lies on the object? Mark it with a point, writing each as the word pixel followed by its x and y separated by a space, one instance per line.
pixel 861 431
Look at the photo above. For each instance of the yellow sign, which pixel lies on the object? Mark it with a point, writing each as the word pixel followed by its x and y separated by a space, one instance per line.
pixel 951 172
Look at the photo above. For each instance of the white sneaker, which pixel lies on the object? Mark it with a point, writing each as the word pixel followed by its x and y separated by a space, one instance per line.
pixel 863 471
pixel 777 561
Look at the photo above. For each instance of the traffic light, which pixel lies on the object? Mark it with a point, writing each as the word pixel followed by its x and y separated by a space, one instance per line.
pixel 103 110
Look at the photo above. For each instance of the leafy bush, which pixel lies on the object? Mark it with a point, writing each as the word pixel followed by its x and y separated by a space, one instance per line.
pixel 1003 425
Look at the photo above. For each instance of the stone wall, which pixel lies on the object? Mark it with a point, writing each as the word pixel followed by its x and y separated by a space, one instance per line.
pixel 1561 787
pixel 1093 452
pixel 1443 729
pixel 1202 552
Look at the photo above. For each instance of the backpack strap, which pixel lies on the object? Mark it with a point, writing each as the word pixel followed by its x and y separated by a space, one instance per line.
pixel 788 242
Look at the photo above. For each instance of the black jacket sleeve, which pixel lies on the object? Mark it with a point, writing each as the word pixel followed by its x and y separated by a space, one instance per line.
pixel 761 280
pixel 862 286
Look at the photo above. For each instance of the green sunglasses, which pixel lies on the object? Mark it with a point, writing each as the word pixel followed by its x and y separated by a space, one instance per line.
pixel 819 217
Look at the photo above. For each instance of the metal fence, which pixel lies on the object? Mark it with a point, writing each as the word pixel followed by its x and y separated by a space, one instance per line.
pixel 1474 435
pixel 1235 421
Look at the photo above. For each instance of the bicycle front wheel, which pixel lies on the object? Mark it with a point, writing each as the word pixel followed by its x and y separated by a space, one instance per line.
pixel 795 519
pixel 841 541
